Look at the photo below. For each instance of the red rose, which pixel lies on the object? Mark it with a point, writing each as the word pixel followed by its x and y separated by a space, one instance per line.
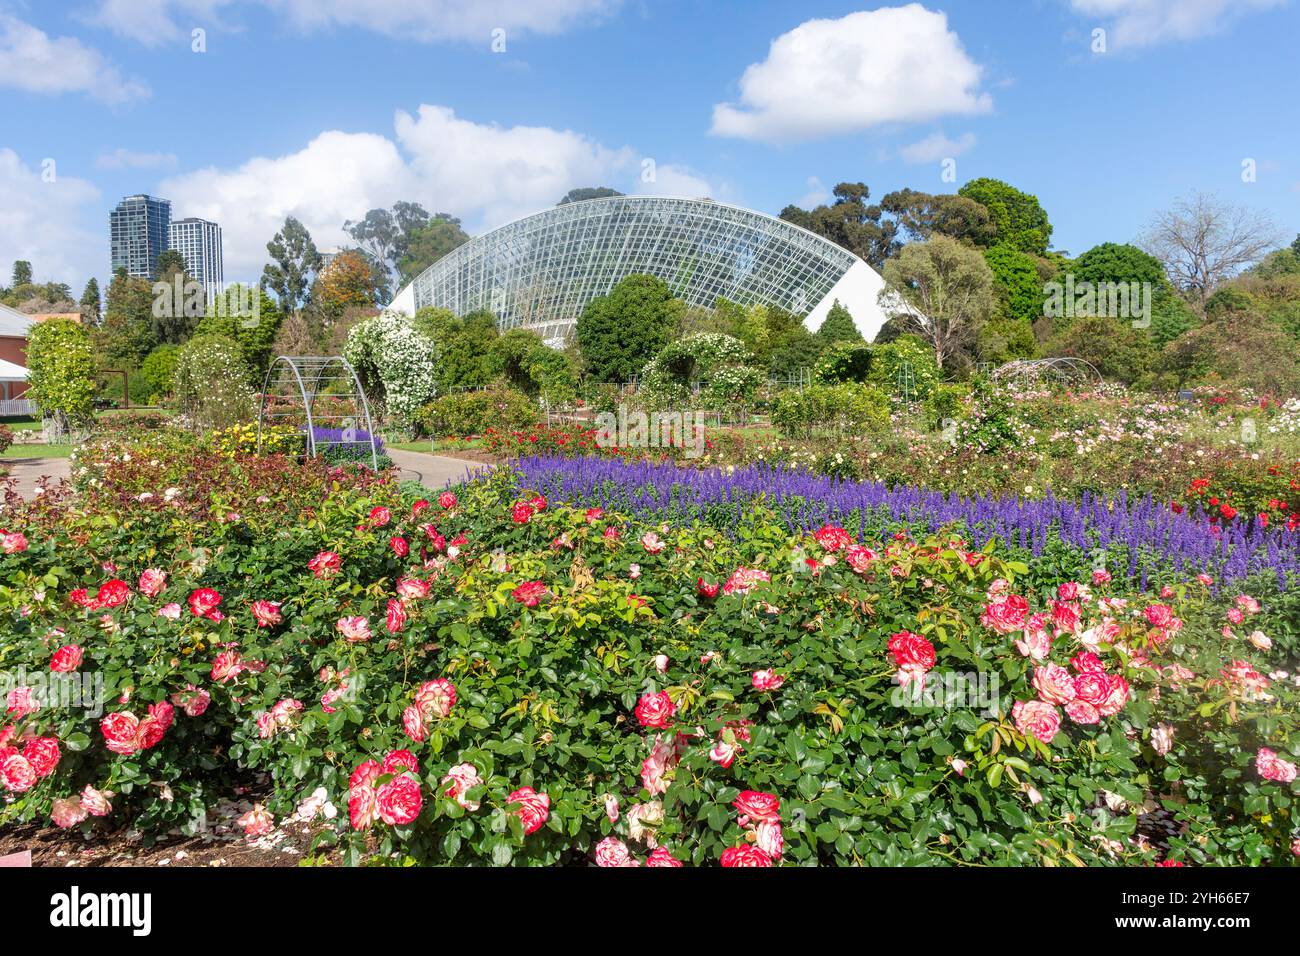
pixel 661 857
pixel 706 590
pixel 521 513
pixel 911 649
pixel 16 772
pixel 655 710
pixel 447 500
pixel 396 621
pixel 399 545
pixel 43 754
pixel 266 613
pixel 112 594
pixel 66 659
pixel 379 516
pixel 529 593
pixel 758 806
pixel 746 855
pixel 399 801
pixel 832 537
pixel 203 603
pixel 120 732
pixel 326 564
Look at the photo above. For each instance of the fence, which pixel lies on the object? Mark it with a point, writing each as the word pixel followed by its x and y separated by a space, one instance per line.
pixel 17 406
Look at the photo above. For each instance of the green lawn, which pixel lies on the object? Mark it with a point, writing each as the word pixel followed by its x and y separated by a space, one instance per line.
pixel 433 447
pixel 37 451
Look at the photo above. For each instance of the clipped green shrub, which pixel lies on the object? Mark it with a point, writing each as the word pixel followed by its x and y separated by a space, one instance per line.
pixel 845 409
pixel 472 413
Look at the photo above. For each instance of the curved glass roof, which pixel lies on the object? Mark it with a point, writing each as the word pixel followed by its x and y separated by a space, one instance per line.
pixel 540 272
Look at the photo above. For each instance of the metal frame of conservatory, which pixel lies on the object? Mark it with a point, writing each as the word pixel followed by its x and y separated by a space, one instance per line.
pixel 540 272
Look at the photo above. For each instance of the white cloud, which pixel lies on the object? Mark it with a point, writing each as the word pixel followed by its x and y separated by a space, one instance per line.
pixel 483 173
pixel 671 179
pixel 1134 23
pixel 49 224
pixel 817 194
pixel 33 61
pixel 129 159
pixel 157 21
pixel 935 147
pixel 829 77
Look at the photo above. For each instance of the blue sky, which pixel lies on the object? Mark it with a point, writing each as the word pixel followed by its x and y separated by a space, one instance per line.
pixel 325 108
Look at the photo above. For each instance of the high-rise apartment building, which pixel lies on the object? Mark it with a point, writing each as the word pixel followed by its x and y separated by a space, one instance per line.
pixel 199 241
pixel 138 232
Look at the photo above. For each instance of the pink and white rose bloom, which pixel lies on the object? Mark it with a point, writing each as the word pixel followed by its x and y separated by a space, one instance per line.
pixel 458 781
pixel 1036 718
pixel 355 629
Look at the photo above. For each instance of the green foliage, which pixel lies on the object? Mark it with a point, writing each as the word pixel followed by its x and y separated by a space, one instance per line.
pixel 888 362
pixel 844 362
pixel 156 373
pixel 61 372
pixel 295 260
pixel 587 192
pixel 1018 219
pixel 619 332
pixel 839 326
pixel 463 346
pixel 945 403
pixel 212 382
pixel 848 408
pixel 1118 351
pixel 396 364
pixel 850 222
pixel 1017 283
pixel 524 362
pixel 255 335
pixel 429 243
pixel 126 335
pixel 463 414
pixel 718 364
pixel 800 350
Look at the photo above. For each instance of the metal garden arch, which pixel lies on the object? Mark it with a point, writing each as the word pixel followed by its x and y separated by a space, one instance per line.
pixel 323 397
pixel 1062 370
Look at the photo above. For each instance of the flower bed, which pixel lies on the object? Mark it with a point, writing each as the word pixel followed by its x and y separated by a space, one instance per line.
pixel 500 676
pixel 1140 539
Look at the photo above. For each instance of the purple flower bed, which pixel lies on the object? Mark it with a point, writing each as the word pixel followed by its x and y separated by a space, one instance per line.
pixel 344 443
pixel 1141 538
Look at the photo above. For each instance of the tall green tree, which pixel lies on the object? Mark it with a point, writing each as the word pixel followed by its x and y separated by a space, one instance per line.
pixel 385 234
pixel 838 326
pixel 295 261
pixel 942 291
pixel 850 222
pixel 90 303
pixel 22 274
pixel 126 335
pixel 619 332
pixel 921 215
pixel 254 335
pixel 1019 220
pixel 61 374
pixel 429 243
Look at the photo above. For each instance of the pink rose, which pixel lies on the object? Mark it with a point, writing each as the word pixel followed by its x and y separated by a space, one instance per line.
pixel 67 812
pixel 534 808
pixel 832 537
pixel 16 772
pixel 399 546
pixel 152 581
pixel 767 680
pixel 170 611
pixel 447 500
pixel 43 754
pixel 757 806
pixel 95 802
pixel 652 542
pixel 380 516
pixel 612 852
pixel 661 857
pixel 413 724
pixel 458 781
pixel 1054 684
pixel 770 840
pixel 1007 615
pixel 266 613
pixel 21 703
pixel 354 629
pixel 436 698
pixel 13 542
pixel 743 580
pixel 1272 767
pixel 203 603
pixel 395 619
pixel 257 821
pixel 529 593
pixel 411 588
pixel 325 565
pixel 399 801
pixel 1036 718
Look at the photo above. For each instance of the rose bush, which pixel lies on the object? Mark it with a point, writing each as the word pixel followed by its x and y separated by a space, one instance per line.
pixel 534 680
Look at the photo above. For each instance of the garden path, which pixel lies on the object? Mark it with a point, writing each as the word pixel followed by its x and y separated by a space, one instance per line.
pixel 28 470
pixel 432 471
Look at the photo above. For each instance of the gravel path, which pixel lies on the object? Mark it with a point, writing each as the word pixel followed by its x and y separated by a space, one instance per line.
pixel 433 471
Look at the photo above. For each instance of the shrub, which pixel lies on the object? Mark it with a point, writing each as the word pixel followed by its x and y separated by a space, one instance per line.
pixel 395 363
pixel 890 362
pixel 61 374
pixel 463 414
pixel 719 364
pixel 844 362
pixel 211 382
pixel 156 372
pixel 842 409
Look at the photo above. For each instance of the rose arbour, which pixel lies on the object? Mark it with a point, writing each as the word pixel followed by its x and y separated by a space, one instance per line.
pixel 552 673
